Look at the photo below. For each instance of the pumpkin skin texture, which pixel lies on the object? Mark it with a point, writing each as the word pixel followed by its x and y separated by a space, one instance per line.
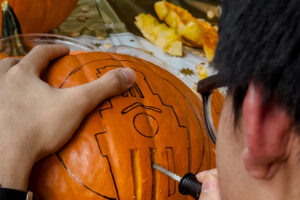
pixel 40 16
pixel 158 120
pixel 3 55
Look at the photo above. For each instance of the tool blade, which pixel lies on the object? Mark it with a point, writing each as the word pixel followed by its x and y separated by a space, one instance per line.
pixel 167 172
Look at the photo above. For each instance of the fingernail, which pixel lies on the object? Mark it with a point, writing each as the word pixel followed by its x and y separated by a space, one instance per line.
pixel 128 74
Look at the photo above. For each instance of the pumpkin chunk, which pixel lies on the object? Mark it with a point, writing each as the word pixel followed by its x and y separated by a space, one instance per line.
pixel 195 32
pixel 159 34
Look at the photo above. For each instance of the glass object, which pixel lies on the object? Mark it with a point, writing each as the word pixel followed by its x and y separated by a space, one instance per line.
pixel 20 45
pixel 142 54
pixel 212 91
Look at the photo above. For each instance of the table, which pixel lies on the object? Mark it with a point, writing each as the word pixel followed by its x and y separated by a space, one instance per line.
pixel 99 18
pixel 108 25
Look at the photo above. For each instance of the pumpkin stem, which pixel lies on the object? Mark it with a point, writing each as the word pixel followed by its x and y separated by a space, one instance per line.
pixel 11 27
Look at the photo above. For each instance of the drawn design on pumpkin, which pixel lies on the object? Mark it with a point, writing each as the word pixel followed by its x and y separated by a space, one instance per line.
pixel 137 104
pixel 79 181
pixel 203 130
pixel 140 117
pixel 134 91
pixel 171 167
pixel 143 117
pixel 141 113
pixel 169 150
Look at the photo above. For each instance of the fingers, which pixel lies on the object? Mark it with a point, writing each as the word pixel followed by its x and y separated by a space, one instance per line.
pixel 210 187
pixel 7 63
pixel 204 174
pixel 40 56
pixel 91 94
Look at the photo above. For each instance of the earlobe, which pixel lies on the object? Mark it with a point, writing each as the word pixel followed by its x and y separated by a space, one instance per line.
pixel 267 131
pixel 256 169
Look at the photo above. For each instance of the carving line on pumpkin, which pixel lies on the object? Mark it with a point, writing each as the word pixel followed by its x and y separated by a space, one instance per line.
pixel 79 68
pixel 151 118
pixel 136 171
pixel 137 104
pixel 203 130
pixel 77 179
pixel 107 158
pixel 132 90
pixel 171 167
pixel 107 108
pixel 111 106
pixel 154 186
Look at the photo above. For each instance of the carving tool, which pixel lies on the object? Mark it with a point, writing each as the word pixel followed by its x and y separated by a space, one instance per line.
pixel 188 184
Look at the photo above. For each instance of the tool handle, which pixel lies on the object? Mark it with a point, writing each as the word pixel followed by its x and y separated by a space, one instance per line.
pixel 190 185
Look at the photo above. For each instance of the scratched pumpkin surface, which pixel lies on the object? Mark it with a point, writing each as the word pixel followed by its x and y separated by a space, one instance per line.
pixel 158 120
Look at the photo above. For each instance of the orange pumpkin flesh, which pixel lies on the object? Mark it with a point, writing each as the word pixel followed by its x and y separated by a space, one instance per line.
pixel 40 16
pixel 158 120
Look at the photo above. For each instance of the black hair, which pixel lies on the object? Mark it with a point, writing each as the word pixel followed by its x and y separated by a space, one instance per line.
pixel 260 41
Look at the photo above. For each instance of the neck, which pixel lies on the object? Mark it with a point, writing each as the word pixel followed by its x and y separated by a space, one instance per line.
pixel 286 182
pixel 293 172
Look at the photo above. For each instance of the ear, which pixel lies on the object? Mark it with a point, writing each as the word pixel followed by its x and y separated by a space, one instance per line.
pixel 267 129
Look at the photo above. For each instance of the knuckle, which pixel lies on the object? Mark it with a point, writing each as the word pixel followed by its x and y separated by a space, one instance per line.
pixel 39 48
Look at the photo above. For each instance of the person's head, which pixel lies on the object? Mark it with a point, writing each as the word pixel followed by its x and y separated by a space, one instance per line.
pixel 258 56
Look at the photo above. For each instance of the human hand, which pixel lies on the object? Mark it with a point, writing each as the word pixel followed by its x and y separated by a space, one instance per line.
pixel 210 187
pixel 36 119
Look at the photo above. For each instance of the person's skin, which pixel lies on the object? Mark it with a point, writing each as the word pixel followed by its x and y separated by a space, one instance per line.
pixel 257 159
pixel 36 119
pixel 210 186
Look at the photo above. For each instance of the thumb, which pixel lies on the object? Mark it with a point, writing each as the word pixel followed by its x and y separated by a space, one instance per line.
pixel 91 94
pixel 210 187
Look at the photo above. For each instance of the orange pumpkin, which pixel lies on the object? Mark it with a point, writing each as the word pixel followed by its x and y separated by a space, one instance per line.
pixel 158 120
pixel 40 16
pixel 3 55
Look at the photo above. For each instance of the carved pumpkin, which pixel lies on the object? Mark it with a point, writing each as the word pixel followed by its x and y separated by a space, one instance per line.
pixel 158 120
pixel 40 16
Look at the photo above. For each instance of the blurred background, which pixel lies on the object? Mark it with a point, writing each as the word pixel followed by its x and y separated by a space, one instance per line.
pixel 111 25
pixel 98 18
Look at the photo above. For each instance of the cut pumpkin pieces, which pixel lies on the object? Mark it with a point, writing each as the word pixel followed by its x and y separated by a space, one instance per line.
pixel 175 16
pixel 210 43
pixel 196 33
pixel 159 34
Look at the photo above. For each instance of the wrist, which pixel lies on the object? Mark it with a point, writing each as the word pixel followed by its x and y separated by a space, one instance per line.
pixel 15 168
